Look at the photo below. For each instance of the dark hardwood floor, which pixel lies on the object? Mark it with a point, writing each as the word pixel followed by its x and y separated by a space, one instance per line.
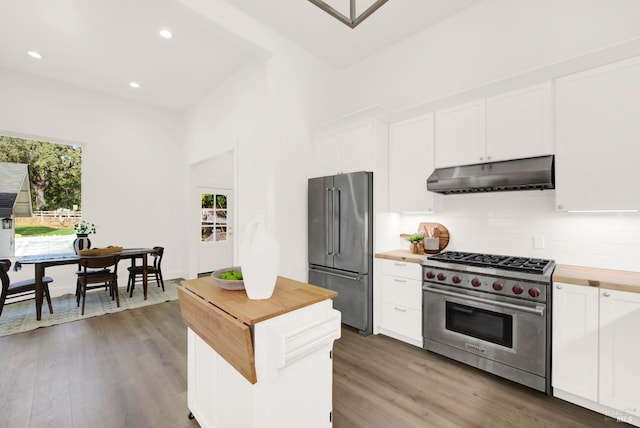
pixel 129 369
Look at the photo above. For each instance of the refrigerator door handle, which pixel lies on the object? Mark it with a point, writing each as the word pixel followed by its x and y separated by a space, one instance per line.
pixel 328 224
pixel 336 221
pixel 353 278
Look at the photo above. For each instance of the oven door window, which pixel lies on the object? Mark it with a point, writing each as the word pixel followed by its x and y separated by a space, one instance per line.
pixel 486 325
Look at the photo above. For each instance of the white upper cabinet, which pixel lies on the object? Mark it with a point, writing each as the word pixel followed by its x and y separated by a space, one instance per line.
pixel 598 138
pixel 519 123
pixel 327 152
pixel 512 125
pixel 461 134
pixel 356 143
pixel 347 148
pixel 410 164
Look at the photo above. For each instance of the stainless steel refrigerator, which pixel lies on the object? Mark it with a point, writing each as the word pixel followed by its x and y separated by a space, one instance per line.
pixel 341 243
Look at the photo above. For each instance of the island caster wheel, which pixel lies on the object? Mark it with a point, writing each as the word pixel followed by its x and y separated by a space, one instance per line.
pixel 190 416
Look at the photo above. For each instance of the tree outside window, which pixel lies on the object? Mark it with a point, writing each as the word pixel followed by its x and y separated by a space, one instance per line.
pixel 55 177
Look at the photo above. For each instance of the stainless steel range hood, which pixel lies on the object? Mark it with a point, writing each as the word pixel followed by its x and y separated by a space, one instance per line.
pixel 518 174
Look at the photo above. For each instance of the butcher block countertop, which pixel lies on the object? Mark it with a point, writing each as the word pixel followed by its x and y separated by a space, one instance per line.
pixel 595 277
pixel 401 256
pixel 223 318
pixel 288 296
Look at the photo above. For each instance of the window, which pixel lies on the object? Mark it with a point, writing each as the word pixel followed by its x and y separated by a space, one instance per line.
pixel 214 217
pixel 55 177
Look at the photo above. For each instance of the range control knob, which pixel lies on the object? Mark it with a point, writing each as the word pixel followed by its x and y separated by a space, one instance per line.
pixel 534 292
pixel 456 280
pixel 497 286
pixel 475 282
pixel 517 289
pixel 441 277
pixel 431 275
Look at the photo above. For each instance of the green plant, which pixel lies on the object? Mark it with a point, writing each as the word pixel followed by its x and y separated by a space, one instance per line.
pixel 416 237
pixel 84 227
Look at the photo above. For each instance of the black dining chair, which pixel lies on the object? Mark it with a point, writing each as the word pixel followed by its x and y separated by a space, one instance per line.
pixel 98 272
pixel 13 290
pixel 154 271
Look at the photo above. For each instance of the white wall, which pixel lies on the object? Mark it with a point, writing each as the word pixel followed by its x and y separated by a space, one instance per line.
pixel 134 172
pixel 506 223
pixel 490 41
pixel 264 112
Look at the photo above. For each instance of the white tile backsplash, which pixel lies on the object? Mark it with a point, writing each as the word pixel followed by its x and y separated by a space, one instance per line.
pixel 506 223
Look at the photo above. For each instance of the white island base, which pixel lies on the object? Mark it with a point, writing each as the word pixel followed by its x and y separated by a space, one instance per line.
pixel 294 369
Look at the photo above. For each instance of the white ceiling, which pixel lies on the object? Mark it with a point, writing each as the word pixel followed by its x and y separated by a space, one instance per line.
pixel 329 39
pixel 102 45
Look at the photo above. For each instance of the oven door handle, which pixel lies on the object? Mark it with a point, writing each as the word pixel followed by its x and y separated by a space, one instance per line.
pixel 538 310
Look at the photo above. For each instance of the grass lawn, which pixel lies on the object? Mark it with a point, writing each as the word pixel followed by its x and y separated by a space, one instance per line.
pixel 42 231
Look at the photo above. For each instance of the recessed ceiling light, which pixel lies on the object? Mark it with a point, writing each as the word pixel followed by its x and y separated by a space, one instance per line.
pixel 34 54
pixel 134 85
pixel 166 34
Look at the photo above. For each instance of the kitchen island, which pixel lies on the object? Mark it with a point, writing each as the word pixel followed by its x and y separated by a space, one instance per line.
pixel 259 363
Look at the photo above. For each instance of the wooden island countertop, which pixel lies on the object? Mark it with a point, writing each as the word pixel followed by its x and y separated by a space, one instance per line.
pixel 288 296
pixel 224 318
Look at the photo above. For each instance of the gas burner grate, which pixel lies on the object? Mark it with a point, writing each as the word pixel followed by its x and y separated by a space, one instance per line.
pixel 522 264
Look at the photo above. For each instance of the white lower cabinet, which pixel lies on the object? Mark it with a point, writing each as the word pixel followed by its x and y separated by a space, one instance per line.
pixel 596 350
pixel 620 351
pixel 575 340
pixel 401 295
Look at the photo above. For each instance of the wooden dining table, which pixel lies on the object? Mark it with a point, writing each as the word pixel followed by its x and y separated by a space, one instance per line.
pixel 41 262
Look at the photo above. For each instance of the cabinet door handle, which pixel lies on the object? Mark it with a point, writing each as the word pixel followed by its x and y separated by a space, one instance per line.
pixel 606 294
pixel 399 309
pixel 400 264
pixel 559 287
pixel 399 280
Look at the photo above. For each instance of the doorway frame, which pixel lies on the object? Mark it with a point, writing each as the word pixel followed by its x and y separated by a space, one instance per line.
pixel 194 211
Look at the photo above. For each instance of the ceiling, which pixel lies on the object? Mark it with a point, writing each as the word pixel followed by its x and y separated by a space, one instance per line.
pixel 103 45
pixel 336 43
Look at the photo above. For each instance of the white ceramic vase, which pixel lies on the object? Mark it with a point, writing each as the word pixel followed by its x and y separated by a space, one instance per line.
pixel 259 260
pixel 81 242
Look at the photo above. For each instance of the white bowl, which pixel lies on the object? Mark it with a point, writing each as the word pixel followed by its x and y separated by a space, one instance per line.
pixel 228 284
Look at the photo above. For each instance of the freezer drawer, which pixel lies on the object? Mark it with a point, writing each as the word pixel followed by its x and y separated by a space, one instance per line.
pixel 354 299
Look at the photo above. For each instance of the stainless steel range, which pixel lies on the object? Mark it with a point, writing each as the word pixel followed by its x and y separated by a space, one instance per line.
pixel 491 312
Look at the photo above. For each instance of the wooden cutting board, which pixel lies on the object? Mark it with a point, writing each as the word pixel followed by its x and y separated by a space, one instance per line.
pixel 428 228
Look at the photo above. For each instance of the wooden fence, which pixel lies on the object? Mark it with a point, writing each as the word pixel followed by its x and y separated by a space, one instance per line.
pixel 58 213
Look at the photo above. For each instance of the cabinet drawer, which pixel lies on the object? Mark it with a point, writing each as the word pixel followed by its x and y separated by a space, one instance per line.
pixel 401 320
pixel 402 269
pixel 402 291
